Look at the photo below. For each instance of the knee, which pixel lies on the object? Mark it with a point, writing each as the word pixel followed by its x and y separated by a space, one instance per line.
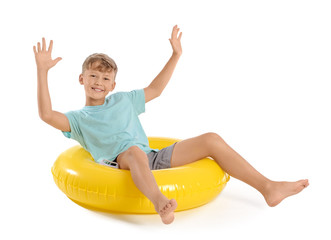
pixel 133 155
pixel 211 138
pixel 133 152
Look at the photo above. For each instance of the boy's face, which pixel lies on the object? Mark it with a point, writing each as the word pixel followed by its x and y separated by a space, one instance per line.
pixel 97 85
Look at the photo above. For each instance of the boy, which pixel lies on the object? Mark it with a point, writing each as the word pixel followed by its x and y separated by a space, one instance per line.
pixel 109 128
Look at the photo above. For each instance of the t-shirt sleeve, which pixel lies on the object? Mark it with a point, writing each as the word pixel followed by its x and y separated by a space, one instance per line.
pixel 74 127
pixel 137 97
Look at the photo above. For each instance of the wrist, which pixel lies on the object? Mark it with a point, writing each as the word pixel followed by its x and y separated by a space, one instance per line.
pixel 42 74
pixel 42 70
pixel 176 55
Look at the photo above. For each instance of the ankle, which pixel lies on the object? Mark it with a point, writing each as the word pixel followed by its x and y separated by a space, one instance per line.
pixel 267 187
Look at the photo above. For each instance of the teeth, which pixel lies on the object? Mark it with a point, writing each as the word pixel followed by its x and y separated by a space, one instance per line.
pixel 98 90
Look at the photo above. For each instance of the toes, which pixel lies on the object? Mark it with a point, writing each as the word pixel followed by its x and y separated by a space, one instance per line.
pixel 306 184
pixel 169 207
pixel 167 212
pixel 165 208
pixel 173 203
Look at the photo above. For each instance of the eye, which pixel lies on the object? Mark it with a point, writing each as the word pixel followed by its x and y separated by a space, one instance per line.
pixel 106 78
pixel 92 75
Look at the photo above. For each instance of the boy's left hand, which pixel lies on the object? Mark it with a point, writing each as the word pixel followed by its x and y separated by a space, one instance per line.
pixel 175 41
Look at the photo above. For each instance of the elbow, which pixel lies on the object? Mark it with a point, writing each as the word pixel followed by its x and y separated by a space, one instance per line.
pixel 158 94
pixel 46 117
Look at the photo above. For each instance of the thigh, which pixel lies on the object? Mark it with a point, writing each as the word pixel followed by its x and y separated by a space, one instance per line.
pixel 190 150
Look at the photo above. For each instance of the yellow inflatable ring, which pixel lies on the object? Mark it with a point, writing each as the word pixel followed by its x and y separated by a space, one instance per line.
pixel 99 187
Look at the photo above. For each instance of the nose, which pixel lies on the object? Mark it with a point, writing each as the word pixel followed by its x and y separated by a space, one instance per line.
pixel 98 81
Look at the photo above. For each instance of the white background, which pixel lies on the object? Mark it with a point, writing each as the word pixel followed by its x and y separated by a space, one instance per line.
pixel 255 72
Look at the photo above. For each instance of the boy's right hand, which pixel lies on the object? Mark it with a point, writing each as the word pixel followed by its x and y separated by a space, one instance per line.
pixel 43 57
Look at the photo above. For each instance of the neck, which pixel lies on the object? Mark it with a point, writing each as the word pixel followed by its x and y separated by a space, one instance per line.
pixel 94 102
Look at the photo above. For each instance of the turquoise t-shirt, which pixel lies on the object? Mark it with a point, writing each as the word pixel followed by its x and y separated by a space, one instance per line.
pixel 107 130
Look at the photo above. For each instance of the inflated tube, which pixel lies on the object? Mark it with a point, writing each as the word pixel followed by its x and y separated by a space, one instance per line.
pixel 99 187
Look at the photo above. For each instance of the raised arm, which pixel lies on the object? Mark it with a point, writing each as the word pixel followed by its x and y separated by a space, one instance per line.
pixel 44 63
pixel 160 82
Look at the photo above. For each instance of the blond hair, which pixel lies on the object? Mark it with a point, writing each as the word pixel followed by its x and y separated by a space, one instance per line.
pixel 106 64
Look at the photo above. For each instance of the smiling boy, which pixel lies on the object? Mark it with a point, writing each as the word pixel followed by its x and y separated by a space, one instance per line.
pixel 109 128
pixel 98 77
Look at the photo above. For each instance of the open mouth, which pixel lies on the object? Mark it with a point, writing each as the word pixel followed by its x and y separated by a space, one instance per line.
pixel 97 89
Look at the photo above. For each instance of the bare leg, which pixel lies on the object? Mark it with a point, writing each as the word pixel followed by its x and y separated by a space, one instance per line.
pixel 212 145
pixel 135 160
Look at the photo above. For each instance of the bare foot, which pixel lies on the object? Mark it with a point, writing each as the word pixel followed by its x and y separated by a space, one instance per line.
pixel 278 191
pixel 166 211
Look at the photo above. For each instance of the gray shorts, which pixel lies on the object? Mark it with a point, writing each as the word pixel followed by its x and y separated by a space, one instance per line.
pixel 160 159
pixel 156 160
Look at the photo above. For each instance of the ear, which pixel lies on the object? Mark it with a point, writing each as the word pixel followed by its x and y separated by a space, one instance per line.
pixel 113 86
pixel 81 78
